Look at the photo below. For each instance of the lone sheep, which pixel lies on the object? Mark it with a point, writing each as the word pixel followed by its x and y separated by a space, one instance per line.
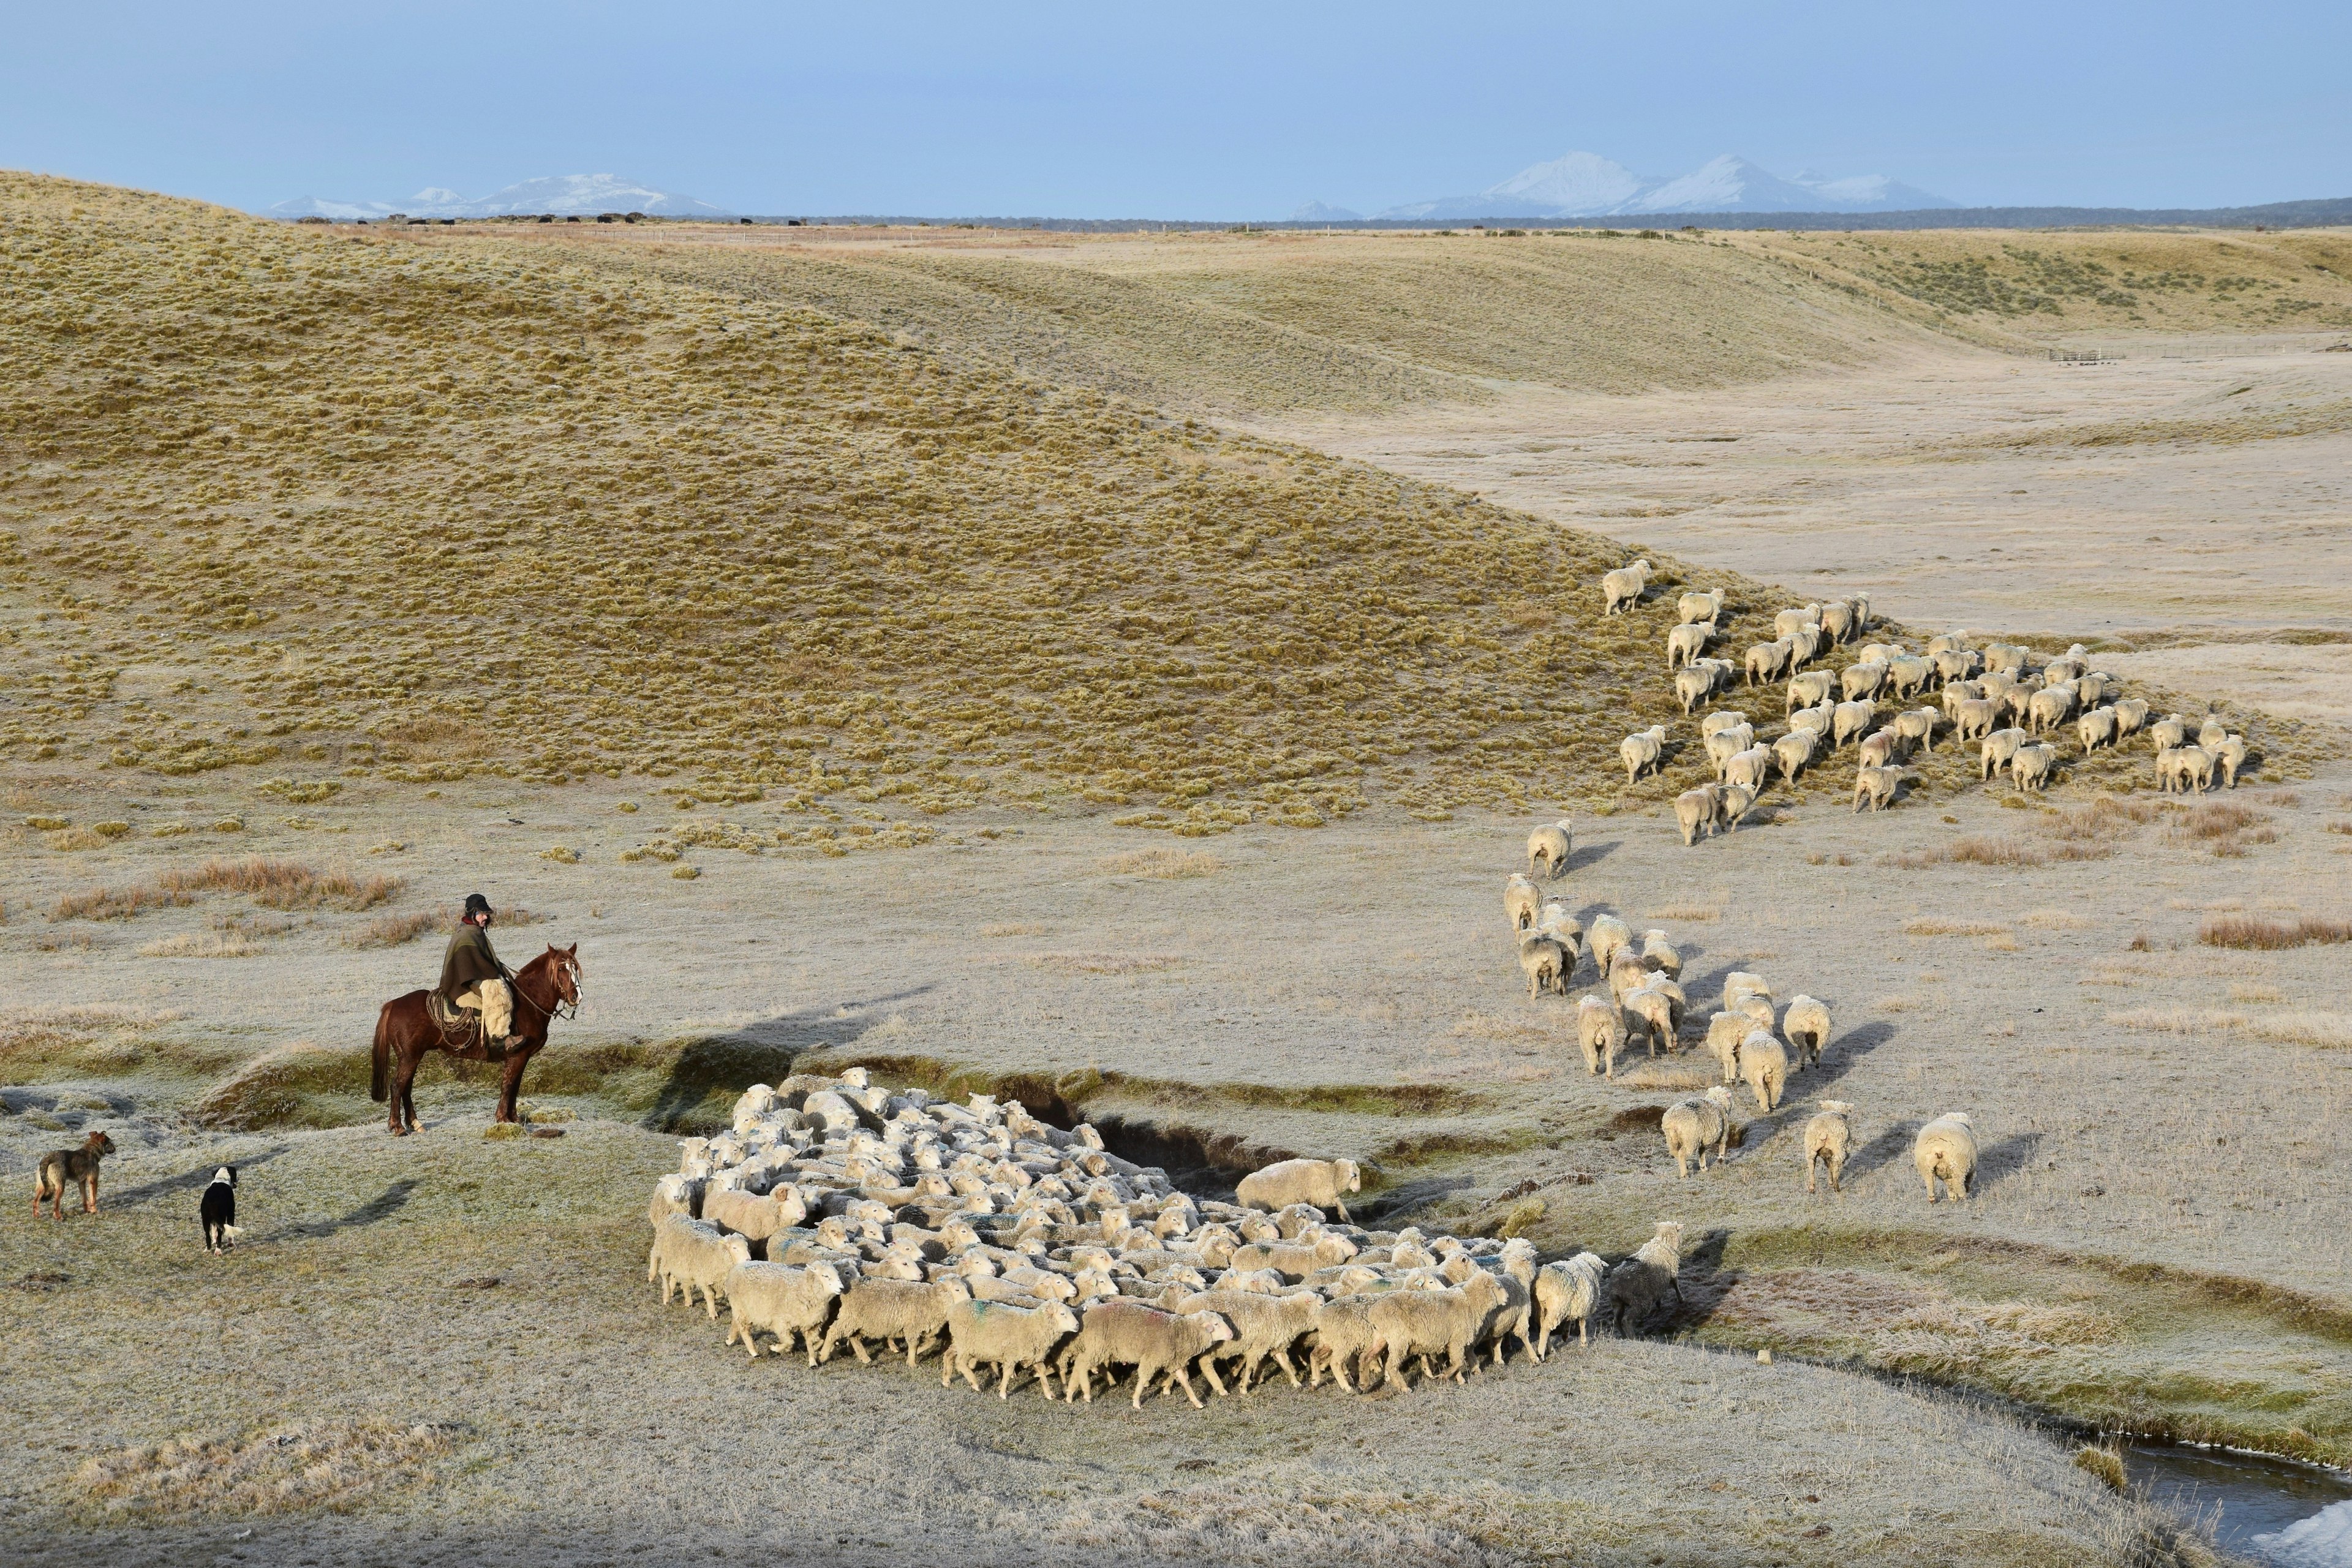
pixel 1322 1182
pixel 1547 848
pixel 1946 1153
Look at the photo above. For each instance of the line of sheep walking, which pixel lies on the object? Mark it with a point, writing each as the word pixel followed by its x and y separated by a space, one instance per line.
pixel 837 1213
pixel 1994 695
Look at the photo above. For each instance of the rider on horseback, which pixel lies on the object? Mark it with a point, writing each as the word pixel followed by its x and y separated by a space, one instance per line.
pixel 473 979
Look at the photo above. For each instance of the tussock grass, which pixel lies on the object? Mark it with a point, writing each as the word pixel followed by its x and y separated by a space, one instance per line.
pixel 1012 928
pixel 2330 1030
pixel 2057 920
pixel 277 1469
pixel 1698 913
pixel 296 1085
pixel 394 931
pixel 1664 1074
pixel 2266 932
pixel 114 903
pixel 2222 827
pixel 1165 865
pixel 284 884
pixel 2179 1020
pixel 201 944
pixel 1928 926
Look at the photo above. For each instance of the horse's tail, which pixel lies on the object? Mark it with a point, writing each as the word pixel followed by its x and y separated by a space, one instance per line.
pixel 379 1080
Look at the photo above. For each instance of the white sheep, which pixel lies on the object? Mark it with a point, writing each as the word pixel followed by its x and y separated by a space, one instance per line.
pixel 1946 1152
pixel 1692 1126
pixel 2131 717
pixel 1974 718
pixel 1547 848
pixel 1724 1033
pixel 1765 661
pixel 689 1254
pixel 1793 752
pixel 1877 787
pixel 1764 1068
pixel 1157 1344
pixel 1916 726
pixel 1520 902
pixel 1740 984
pixel 1788 621
pixel 1654 1006
pixel 1751 769
pixel 1544 962
pixel 882 1311
pixel 1345 1336
pixel 1999 749
pixel 1600 1033
pixel 1322 1182
pixel 1626 974
pixel 1829 1140
pixel 2033 765
pixel 2231 756
pixel 1697 680
pixel 1807 641
pixel 1819 719
pixel 1686 643
pixel 1567 1291
pixel 1862 680
pixel 1695 606
pixel 1907 675
pixel 991 1333
pixel 1642 750
pixel 1810 690
pixel 1263 1326
pixel 1622 589
pixel 2213 733
pixel 1837 621
pixel 2050 707
pixel 1610 936
pixel 1430 1323
pixel 1851 721
pixel 2168 733
pixel 774 1299
pixel 1806 1026
pixel 1638 1284
pixel 1696 809
pixel 1733 803
pixel 1660 955
pixel 1721 719
pixel 1726 743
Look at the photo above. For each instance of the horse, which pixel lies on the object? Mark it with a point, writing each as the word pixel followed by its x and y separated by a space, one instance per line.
pixel 542 989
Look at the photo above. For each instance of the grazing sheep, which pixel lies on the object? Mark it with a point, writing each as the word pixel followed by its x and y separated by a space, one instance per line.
pixel 2050 707
pixel 1806 1025
pixel 1810 689
pixel 1430 1323
pixel 1520 902
pixel 689 1254
pixel 1622 589
pixel 1721 719
pixel 1828 1139
pixel 1793 752
pixel 2168 733
pixel 1878 749
pixel 1322 1182
pixel 2231 755
pixel 2033 765
pixel 1765 661
pixel 1862 680
pixel 1611 936
pixel 1157 1344
pixel 1807 640
pixel 1696 681
pixel 1751 768
pixel 1547 848
pixel 2131 717
pixel 2211 733
pixel 1946 1152
pixel 1726 743
pixel 1600 1033
pixel 1654 1006
pixel 774 1299
pixel 1692 1126
pixel 883 1310
pixel 1736 800
pixel 1837 621
pixel 1660 954
pixel 1876 787
pixel 1907 675
pixel 1695 810
pixel 1695 606
pixel 1815 721
pixel 2095 729
pixel 1850 721
pixel 1544 962
pixel 1917 725
pixel 1688 642
pixel 1567 1293
pixel 1998 751
pixel 1973 719
pixel 1638 1285
pixel 1764 1068
pixel 1642 751
pixel 991 1333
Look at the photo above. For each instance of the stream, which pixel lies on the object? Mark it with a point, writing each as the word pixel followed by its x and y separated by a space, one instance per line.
pixel 2274 1511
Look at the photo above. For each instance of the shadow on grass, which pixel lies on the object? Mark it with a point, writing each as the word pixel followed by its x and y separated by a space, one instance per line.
pixel 380 1207
pixel 1592 855
pixel 1893 1143
pixel 1840 1056
pixel 199 1176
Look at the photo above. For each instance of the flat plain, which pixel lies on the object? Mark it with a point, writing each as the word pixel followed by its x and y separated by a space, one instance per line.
pixel 976 673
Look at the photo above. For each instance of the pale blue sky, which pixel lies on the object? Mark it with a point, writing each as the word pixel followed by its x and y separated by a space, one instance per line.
pixel 1197 110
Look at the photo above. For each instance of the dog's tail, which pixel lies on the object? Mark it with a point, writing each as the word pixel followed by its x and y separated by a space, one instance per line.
pixel 379 1080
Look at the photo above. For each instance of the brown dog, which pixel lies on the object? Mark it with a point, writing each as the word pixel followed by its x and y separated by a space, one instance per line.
pixel 64 1165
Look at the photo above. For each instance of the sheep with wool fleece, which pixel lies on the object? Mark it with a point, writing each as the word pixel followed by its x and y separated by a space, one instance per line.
pixel 1567 1291
pixel 1322 1182
pixel 778 1299
pixel 1692 1126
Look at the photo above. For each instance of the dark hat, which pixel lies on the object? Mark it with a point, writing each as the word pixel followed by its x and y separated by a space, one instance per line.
pixel 476 905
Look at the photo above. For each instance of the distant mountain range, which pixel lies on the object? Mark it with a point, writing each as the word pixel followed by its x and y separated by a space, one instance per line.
pixel 1586 184
pixel 565 195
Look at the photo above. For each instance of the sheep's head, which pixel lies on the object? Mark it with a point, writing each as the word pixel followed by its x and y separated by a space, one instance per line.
pixel 1671 1232
pixel 1720 1097
pixel 1962 1118
pixel 1351 1178
pixel 1837 1107
pixel 1220 1329
pixel 738 1249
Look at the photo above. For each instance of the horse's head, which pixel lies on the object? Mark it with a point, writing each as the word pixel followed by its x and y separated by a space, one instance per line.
pixel 563 965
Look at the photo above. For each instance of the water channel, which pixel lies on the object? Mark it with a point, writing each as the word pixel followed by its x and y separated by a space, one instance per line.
pixel 2273 1511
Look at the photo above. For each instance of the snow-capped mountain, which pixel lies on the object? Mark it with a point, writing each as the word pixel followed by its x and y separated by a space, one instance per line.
pixel 1323 212
pixel 562 194
pixel 1585 184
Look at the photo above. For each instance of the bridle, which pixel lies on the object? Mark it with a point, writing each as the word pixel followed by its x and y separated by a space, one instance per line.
pixel 566 1009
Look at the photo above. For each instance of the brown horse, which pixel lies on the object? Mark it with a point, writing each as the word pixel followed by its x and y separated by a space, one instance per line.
pixel 542 987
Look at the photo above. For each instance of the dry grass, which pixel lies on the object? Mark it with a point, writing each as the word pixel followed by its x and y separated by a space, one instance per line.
pixel 201 944
pixel 2057 920
pixel 1926 926
pixel 2265 932
pixel 1697 912
pixel 1099 963
pixel 1164 864
pixel 2330 1030
pixel 1012 928
pixel 2220 828
pixel 113 903
pixel 284 884
pixel 1664 1074
pixel 392 930
pixel 2179 1020
pixel 279 1470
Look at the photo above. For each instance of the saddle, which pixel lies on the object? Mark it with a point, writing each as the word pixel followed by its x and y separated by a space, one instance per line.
pixel 461 1030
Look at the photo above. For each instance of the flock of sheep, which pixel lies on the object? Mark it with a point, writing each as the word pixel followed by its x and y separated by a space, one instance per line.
pixel 838 1213
pixel 1992 695
pixel 1753 1041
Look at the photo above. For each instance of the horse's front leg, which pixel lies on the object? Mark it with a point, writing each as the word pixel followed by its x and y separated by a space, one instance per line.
pixel 401 1096
pixel 511 1085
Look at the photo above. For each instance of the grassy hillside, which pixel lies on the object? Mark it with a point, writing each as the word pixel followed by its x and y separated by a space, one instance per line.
pixel 304 509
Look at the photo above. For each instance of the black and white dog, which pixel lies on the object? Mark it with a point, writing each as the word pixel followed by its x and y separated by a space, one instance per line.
pixel 218 1210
